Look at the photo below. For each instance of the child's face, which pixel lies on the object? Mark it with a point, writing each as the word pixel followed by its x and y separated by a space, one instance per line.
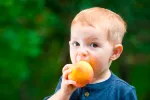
pixel 90 44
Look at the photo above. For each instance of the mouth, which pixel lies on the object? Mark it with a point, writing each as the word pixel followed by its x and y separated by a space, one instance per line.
pixel 79 58
pixel 82 60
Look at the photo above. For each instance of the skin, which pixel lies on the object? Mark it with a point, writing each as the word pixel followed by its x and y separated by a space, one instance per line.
pixel 92 45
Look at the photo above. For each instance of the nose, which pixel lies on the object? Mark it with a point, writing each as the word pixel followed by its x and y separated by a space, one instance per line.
pixel 82 51
pixel 82 55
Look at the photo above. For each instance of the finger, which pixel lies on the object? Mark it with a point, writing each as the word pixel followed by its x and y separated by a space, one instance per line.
pixel 65 73
pixel 66 67
pixel 70 82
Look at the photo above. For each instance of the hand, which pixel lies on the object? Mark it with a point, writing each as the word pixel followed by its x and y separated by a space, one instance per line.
pixel 67 86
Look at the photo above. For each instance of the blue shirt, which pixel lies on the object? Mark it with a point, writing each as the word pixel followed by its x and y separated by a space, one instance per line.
pixel 112 89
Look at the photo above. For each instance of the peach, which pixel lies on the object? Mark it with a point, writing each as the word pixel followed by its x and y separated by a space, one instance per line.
pixel 82 73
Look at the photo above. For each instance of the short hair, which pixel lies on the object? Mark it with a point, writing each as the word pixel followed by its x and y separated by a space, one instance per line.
pixel 97 17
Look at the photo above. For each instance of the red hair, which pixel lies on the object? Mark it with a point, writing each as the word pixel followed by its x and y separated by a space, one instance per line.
pixel 97 17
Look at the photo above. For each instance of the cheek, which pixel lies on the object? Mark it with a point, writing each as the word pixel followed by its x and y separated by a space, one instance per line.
pixel 98 65
pixel 72 56
pixel 95 61
pixel 98 60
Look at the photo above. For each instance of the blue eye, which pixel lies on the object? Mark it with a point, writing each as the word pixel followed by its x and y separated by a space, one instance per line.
pixel 76 44
pixel 94 45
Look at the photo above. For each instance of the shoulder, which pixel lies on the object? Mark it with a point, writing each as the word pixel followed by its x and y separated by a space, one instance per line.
pixel 124 89
pixel 121 84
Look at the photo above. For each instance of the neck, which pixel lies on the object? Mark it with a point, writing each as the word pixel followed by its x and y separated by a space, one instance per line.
pixel 101 77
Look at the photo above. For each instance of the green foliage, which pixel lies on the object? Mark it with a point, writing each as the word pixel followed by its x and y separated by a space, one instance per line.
pixel 19 41
pixel 34 38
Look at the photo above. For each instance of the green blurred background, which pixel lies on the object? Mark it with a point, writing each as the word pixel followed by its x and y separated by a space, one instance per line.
pixel 34 37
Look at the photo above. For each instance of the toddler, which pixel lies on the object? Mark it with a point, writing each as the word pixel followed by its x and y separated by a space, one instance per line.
pixel 96 37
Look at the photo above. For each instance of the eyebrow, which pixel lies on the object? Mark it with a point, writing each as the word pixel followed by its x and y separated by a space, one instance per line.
pixel 92 38
pixel 88 38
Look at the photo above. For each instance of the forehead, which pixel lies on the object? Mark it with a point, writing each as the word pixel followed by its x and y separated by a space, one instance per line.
pixel 88 32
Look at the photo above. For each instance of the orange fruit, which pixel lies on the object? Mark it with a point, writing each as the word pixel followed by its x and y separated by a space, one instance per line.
pixel 82 73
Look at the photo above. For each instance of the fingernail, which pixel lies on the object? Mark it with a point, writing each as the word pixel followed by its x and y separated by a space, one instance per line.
pixel 74 83
pixel 70 70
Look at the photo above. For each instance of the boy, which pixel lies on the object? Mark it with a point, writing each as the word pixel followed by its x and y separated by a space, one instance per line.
pixel 96 37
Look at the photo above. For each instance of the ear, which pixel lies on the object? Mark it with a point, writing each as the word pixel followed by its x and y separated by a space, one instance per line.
pixel 118 48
